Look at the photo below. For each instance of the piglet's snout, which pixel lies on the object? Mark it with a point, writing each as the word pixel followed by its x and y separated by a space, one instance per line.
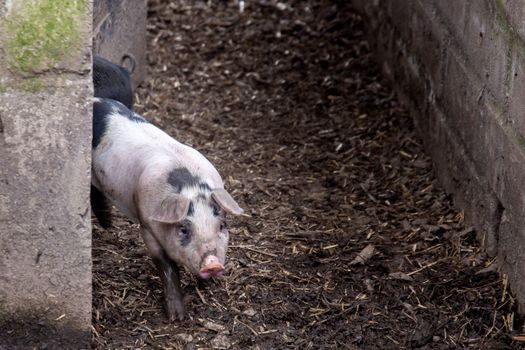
pixel 211 267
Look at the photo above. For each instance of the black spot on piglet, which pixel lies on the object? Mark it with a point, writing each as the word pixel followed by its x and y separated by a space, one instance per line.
pixel 101 113
pixel 180 178
pixel 101 207
pixel 191 209
pixel 103 109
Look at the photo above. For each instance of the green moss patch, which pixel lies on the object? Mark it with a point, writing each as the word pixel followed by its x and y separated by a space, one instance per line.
pixel 41 33
pixel 31 85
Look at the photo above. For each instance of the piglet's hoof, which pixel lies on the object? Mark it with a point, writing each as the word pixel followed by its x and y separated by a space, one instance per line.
pixel 174 309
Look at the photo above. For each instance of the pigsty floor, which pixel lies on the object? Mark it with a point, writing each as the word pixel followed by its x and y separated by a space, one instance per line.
pixel 286 100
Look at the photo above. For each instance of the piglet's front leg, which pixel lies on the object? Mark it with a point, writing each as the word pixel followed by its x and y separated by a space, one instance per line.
pixel 169 274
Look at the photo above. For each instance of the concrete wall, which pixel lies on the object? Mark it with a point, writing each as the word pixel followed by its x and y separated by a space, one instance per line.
pixel 45 156
pixel 460 67
pixel 119 28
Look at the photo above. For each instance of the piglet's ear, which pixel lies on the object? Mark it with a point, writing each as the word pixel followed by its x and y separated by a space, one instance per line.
pixel 173 208
pixel 226 202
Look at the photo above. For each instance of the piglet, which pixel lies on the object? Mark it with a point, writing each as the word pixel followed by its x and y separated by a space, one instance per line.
pixel 112 81
pixel 170 189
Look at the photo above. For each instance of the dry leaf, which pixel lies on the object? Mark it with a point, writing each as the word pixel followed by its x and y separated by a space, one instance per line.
pixel 400 276
pixel 364 255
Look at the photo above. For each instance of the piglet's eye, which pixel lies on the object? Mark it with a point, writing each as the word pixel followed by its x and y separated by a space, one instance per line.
pixel 216 210
pixel 183 232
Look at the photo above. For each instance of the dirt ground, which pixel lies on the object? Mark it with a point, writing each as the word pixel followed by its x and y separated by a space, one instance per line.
pixel 348 241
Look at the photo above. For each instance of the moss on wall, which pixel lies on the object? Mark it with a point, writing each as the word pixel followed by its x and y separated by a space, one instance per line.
pixel 40 33
pixel 31 85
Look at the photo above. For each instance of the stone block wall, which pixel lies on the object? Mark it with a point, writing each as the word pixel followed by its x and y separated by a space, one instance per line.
pixel 460 68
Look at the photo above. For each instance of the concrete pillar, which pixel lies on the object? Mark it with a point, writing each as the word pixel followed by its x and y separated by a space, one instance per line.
pixel 119 29
pixel 45 156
